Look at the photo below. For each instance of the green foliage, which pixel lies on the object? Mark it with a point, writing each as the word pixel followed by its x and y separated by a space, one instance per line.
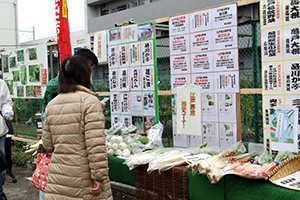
pixel 19 157
pixel 32 54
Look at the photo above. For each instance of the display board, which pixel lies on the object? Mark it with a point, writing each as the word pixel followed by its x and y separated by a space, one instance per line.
pixel 204 52
pixel 100 47
pixel 131 56
pixel 82 41
pixel 280 25
pixel 25 71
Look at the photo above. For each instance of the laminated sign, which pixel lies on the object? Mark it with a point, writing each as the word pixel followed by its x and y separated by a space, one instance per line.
pixel 189 110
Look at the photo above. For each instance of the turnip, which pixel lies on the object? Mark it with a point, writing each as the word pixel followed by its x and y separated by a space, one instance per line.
pixel 115 146
pixel 110 152
pixel 126 153
pixel 119 139
pixel 122 146
pixel 119 152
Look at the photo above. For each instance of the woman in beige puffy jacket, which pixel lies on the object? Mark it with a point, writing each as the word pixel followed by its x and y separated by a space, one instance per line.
pixel 74 132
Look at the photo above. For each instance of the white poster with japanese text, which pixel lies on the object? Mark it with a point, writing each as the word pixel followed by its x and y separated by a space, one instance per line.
pixel 135 78
pixel 225 38
pixel 226 82
pixel 136 104
pixel 269 102
pixel 135 54
pixel 179 25
pixel 129 33
pixel 125 105
pixel 114 80
pixel 228 133
pixel 147 53
pixel 292 77
pixel 114 103
pixel 226 60
pixel 291 41
pixel 272 78
pixel 223 16
pixel 113 60
pixel 205 81
pixel 126 120
pixel 179 80
pixel 124 79
pixel 179 44
pixel 271 41
pixel 148 103
pixel 210 132
pixel 202 62
pixel 180 64
pixel 227 107
pixel 115 119
pixel 201 41
pixel 114 36
pixel 270 13
pixel 200 21
pixel 123 53
pixel 148 78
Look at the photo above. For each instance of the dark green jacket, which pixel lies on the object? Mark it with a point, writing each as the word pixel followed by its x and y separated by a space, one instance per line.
pixel 51 91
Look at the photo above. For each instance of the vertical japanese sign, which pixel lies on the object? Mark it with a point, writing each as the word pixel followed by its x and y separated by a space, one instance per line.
pixel 62 29
pixel 204 52
pixel 280 28
pixel 132 74
pixel 100 47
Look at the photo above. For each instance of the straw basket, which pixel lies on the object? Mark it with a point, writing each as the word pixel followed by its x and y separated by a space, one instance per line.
pixel 288 167
pixel 171 184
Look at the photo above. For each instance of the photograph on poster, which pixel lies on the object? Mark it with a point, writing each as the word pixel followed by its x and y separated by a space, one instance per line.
pixel 10 86
pixel 179 44
pixel 32 53
pixel 179 25
pixel 210 133
pixel 23 70
pixel 292 77
pixel 29 91
pixel 201 41
pixel 200 21
pixel 136 103
pixel 129 33
pixel 227 107
pixel 113 60
pixel 114 79
pixel 37 91
pixel 202 62
pixel 5 63
pixel 227 134
pixel 223 16
pixel 147 56
pixel 209 107
pixel 291 40
pixel 271 41
pixel 124 79
pixel 269 102
pixel 20 91
pixel 272 74
pixel 34 73
pixel 180 64
pixel 145 31
pixel 205 81
pixel 135 78
pixel 226 60
pixel 114 36
pixel 20 55
pixel 16 75
pixel 123 53
pixel 12 62
pixel 135 54
pixel 284 129
pixel 148 78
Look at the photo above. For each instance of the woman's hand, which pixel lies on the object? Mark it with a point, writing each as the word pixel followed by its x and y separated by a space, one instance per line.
pixel 9 119
pixel 97 189
pixel 102 104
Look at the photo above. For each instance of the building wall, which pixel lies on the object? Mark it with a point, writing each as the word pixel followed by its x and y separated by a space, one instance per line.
pixel 8 24
pixel 155 10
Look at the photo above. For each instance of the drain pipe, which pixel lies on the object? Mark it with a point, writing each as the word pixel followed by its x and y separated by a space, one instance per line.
pixel 16 24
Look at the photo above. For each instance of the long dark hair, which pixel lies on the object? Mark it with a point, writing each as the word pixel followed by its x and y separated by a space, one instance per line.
pixel 75 70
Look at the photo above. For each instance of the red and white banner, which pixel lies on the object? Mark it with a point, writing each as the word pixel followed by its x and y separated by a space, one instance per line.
pixel 62 29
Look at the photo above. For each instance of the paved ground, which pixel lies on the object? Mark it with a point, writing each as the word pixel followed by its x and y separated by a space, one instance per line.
pixel 22 190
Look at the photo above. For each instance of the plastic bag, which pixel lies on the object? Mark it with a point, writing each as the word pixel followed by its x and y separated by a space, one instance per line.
pixel 155 135
pixel 40 174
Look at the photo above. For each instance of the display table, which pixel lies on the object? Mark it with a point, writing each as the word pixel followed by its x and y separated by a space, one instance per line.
pixel 230 187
